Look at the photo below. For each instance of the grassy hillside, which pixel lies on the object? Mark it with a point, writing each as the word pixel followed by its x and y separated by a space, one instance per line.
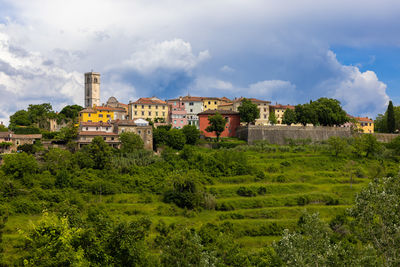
pixel 279 184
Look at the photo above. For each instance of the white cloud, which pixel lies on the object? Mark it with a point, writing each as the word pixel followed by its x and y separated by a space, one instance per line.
pixel 171 55
pixel 227 69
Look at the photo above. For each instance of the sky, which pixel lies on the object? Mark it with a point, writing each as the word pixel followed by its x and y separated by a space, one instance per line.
pixel 285 51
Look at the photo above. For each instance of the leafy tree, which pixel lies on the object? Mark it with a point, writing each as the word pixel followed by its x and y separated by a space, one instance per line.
pixel 395 145
pixel 67 133
pixel 99 152
pixel 329 112
pixel 248 112
pixel 130 142
pixel 337 145
pixel 192 134
pixel 27 148
pixel 38 113
pixel 176 139
pixel 306 114
pixel 52 243
pixel 19 164
pixel 370 144
pixel 70 112
pixel 3 128
pixel 272 118
pixel 289 117
pixel 160 136
pixel 21 117
pixel 391 122
pixel 217 124
pixel 26 130
pixel 376 217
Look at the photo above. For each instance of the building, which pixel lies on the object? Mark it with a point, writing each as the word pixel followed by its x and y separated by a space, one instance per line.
pixel 92 89
pixel 193 106
pixel 364 125
pixel 148 108
pixel 177 113
pixel 262 105
pixel 279 110
pixel 226 106
pixel 112 102
pixel 232 118
pixel 9 141
pixel 211 103
pixel 101 114
pixel 86 137
pixel 140 127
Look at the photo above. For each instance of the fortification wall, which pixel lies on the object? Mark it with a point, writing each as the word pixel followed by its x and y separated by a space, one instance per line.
pixel 280 134
pixel 385 137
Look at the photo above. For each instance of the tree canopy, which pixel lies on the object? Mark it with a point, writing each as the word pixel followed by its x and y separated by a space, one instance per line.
pixel 130 142
pixel 248 111
pixel 391 121
pixel 289 117
pixel 217 124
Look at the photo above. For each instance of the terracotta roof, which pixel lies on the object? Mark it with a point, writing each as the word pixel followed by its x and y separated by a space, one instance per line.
pixel 252 100
pixel 282 106
pixel 87 123
pixel 226 104
pixel 211 98
pixel 220 111
pixel 100 108
pixel 225 99
pixel 366 119
pixel 97 133
pixel 150 101
pixel 124 122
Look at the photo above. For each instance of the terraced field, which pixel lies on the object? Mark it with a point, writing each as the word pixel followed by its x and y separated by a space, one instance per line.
pixel 257 207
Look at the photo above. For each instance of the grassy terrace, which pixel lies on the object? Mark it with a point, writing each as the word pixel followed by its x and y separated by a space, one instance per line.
pixel 257 207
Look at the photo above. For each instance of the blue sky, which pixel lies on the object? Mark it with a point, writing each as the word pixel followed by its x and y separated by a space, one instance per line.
pixel 283 51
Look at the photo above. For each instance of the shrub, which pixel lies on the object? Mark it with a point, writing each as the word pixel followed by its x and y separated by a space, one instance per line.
pixel 246 192
pixel 261 190
pixel 272 169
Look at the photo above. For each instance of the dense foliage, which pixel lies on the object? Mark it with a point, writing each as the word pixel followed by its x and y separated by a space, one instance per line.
pixel 216 124
pixel 248 111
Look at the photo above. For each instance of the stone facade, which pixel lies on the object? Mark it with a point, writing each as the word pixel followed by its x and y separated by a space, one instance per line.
pixel 144 131
pixel 92 89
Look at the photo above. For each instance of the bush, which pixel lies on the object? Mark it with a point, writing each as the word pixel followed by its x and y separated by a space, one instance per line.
pixel 246 192
pixel 19 164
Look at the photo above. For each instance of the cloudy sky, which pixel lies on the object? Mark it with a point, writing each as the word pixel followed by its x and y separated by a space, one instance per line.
pixel 284 51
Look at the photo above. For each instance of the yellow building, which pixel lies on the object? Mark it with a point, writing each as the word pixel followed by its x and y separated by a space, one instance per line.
pixel 226 106
pixel 262 105
pixel 148 108
pixel 210 103
pixel 365 125
pixel 279 111
pixel 100 114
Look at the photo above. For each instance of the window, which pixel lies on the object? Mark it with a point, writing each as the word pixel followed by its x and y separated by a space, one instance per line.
pixel 174 121
pixel 88 80
pixel 108 116
pixel 163 107
pixel 265 116
pixel 89 120
pixel 174 103
pixel 80 114
pixel 106 128
pixel 89 115
pixel 191 110
pixel 97 128
pixel 163 113
pixel 135 106
pixel 156 107
pixel 156 113
pixel 135 112
pixel 142 113
pixel 104 138
pixel 191 104
pixel 209 102
pixel 149 113
pixel 100 115
pixel 149 107
pixel 139 131
pixel 183 103
pixel 87 128
pixel 265 110
pixel 181 121
pixel 95 80
pixel 205 106
pixel 142 106
pixel 112 138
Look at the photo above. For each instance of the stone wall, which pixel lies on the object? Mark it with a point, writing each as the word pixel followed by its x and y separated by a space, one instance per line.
pixel 280 134
pixel 385 137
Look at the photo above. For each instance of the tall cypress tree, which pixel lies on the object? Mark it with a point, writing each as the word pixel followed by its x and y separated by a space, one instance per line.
pixel 390 118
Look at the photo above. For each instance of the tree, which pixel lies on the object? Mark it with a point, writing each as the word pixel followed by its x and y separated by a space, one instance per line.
pixel 391 122
pixel 289 117
pixel 21 117
pixel 19 164
pixel 272 118
pixel 329 112
pixel 337 145
pixel 192 134
pixel 3 128
pixel 248 111
pixel 306 114
pixel 217 124
pixel 176 139
pixel 99 152
pixel 377 216
pixel 67 133
pixel 370 144
pixel 130 142
pixel 70 112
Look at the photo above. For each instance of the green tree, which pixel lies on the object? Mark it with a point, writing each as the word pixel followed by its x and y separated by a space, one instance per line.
pixel 19 164
pixel 67 133
pixel 217 124
pixel 70 112
pixel 248 111
pixel 272 118
pixel 306 114
pixel 3 128
pixel 130 142
pixel 176 139
pixel 329 112
pixel 376 218
pixel 21 117
pixel 52 243
pixel 192 134
pixel 289 117
pixel 337 145
pixel 370 144
pixel 391 122
pixel 99 152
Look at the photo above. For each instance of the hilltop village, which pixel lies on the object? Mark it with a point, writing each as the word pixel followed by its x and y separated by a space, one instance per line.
pixel 110 119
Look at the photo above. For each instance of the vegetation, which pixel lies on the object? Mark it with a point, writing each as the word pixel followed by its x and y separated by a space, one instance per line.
pixel 381 121
pixel 248 111
pixel 289 117
pixel 217 124
pixel 272 118
pixel 249 205
pixel 130 142
pixel 391 123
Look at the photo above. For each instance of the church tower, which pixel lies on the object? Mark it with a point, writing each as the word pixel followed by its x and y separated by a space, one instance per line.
pixel 92 89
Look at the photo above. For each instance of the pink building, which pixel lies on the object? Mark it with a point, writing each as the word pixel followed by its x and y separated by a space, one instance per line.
pixel 177 113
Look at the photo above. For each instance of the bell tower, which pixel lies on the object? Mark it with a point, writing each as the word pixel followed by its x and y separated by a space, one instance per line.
pixel 92 89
